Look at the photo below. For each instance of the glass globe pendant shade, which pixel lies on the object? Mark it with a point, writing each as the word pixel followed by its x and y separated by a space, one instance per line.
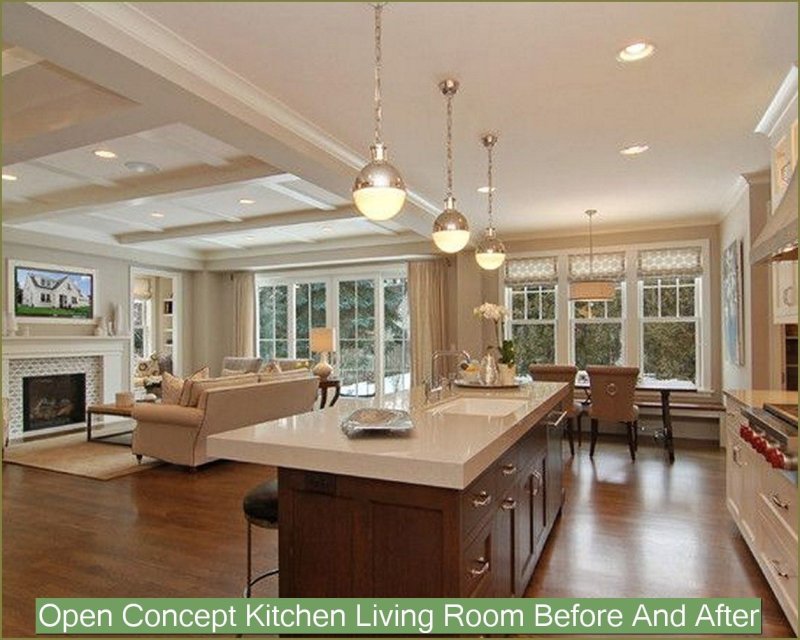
pixel 450 229
pixel 379 190
pixel 490 253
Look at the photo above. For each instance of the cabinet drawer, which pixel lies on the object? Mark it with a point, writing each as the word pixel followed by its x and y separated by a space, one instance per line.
pixel 479 499
pixel 477 564
pixel 780 567
pixel 778 501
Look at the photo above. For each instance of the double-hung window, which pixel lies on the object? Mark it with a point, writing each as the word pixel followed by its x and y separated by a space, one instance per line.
pixel 670 312
pixel 597 334
pixel 531 299
pixel 142 327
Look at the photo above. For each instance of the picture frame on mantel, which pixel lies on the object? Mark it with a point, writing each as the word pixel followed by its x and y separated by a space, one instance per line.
pixel 47 293
pixel 733 303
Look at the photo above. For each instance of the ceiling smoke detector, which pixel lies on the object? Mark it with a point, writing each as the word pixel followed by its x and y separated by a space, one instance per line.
pixel 141 167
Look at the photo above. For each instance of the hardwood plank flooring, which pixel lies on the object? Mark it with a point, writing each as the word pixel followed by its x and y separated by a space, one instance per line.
pixel 642 529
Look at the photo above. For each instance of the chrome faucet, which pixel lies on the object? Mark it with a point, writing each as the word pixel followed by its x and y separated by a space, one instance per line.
pixel 436 385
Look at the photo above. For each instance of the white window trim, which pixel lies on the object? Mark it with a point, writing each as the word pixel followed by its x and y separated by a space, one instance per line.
pixel 623 320
pixel 508 324
pixel 632 329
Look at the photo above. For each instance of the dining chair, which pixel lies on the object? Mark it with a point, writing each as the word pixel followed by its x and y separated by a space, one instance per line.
pixel 612 390
pixel 574 409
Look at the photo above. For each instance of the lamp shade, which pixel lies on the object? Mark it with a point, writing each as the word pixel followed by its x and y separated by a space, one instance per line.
pixel 592 290
pixel 323 340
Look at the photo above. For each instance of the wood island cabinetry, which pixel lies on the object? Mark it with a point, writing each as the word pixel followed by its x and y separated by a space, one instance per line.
pixel 379 538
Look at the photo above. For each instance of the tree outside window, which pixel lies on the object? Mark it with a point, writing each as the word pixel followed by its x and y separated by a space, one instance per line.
pixel 532 323
pixel 597 331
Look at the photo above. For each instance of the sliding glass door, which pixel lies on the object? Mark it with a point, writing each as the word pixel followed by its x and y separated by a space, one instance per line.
pixel 357 336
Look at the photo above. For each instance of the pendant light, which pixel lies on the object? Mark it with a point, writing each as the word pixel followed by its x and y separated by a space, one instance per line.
pixel 379 190
pixel 450 229
pixel 592 290
pixel 490 253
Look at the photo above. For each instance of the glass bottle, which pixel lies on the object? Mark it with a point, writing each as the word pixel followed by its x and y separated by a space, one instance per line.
pixel 488 371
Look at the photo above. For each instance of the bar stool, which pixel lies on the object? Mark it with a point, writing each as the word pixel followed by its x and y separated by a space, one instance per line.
pixel 260 506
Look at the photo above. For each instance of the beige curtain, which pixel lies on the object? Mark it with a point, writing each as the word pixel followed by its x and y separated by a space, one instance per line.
pixel 427 302
pixel 244 314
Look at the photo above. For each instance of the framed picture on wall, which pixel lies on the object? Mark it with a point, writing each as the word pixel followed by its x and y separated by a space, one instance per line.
pixel 49 293
pixel 733 303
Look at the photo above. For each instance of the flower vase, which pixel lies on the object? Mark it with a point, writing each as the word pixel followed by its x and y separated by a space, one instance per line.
pixel 488 369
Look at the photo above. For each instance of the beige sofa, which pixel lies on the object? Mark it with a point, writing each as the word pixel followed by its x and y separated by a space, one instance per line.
pixel 177 433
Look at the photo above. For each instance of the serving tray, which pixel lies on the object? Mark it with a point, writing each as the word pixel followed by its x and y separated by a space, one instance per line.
pixel 480 385
pixel 377 421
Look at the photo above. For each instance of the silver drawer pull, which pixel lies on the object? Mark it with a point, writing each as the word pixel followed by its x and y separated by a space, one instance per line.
pixel 481 500
pixel 536 484
pixel 776 500
pixel 509 504
pixel 475 572
pixel 509 469
pixel 776 564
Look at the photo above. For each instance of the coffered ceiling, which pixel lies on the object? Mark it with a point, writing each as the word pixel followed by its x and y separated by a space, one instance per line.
pixel 271 103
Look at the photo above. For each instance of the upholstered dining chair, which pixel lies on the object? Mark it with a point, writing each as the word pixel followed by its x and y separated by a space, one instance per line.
pixel 613 391
pixel 574 409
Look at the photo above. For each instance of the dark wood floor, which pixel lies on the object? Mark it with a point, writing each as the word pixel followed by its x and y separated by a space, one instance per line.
pixel 644 530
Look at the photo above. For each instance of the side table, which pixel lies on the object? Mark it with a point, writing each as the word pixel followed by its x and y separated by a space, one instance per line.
pixel 324 385
pixel 108 409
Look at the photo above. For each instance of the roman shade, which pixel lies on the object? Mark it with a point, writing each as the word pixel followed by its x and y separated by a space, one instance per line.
pixel 542 270
pixel 674 262
pixel 141 289
pixel 605 266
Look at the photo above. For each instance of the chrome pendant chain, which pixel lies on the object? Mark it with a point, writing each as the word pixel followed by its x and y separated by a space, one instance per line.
pixel 449 145
pixel 591 213
pixel 378 67
pixel 491 185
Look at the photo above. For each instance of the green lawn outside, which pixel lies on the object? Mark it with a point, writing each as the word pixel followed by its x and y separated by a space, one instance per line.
pixel 75 312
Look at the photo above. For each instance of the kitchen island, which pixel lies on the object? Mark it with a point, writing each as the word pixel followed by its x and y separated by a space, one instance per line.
pixel 462 506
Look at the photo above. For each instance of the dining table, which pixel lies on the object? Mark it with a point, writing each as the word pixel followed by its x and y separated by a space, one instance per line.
pixel 665 389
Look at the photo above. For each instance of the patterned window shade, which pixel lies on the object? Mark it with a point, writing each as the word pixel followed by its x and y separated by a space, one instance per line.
pixel 664 263
pixel 532 271
pixel 606 266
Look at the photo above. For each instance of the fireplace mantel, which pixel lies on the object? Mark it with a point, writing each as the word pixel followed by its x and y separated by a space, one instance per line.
pixel 112 350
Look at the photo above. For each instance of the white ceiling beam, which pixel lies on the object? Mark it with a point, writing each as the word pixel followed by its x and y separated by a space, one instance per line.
pixel 17 58
pixel 193 148
pixel 151 188
pixel 289 219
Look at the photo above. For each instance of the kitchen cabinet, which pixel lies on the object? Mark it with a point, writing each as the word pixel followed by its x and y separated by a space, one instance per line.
pixel 784 292
pixel 391 539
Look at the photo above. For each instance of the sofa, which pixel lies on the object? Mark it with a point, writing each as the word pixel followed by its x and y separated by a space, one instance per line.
pixel 177 432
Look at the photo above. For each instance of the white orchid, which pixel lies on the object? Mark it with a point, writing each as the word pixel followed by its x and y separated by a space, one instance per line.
pixel 489 311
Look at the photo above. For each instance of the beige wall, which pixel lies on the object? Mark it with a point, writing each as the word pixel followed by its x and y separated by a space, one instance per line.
pixel 744 221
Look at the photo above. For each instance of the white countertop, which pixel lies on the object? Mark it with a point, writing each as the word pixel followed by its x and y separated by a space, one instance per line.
pixel 443 449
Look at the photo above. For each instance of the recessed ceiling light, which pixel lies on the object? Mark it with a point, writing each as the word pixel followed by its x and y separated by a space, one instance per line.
pixel 327 229
pixel 104 153
pixel 156 214
pixel 636 51
pixel 486 189
pixel 246 201
pixel 141 167
pixel 9 177
pixel 249 237
pixel 634 150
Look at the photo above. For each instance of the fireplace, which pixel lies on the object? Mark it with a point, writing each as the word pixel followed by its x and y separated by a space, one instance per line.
pixel 53 400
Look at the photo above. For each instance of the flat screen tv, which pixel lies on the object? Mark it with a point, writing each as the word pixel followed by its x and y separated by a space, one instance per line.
pixel 53 293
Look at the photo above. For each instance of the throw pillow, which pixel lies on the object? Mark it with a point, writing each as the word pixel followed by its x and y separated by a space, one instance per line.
pixel 171 388
pixel 270 367
pixel 147 367
pixel 231 372
pixel 186 392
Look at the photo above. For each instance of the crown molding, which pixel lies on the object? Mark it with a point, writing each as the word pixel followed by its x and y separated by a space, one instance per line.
pixel 786 94
pixel 735 193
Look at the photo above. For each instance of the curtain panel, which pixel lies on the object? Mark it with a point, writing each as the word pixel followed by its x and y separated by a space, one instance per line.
pixel 427 303
pixel 244 314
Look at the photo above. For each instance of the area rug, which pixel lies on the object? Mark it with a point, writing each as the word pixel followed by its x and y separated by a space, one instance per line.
pixel 73 455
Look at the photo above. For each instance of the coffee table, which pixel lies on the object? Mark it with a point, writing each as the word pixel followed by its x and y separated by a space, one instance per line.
pixel 109 409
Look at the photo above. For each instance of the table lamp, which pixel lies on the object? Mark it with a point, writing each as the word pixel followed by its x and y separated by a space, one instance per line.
pixel 323 342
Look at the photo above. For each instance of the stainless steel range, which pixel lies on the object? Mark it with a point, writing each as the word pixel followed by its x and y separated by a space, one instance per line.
pixel 772 432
